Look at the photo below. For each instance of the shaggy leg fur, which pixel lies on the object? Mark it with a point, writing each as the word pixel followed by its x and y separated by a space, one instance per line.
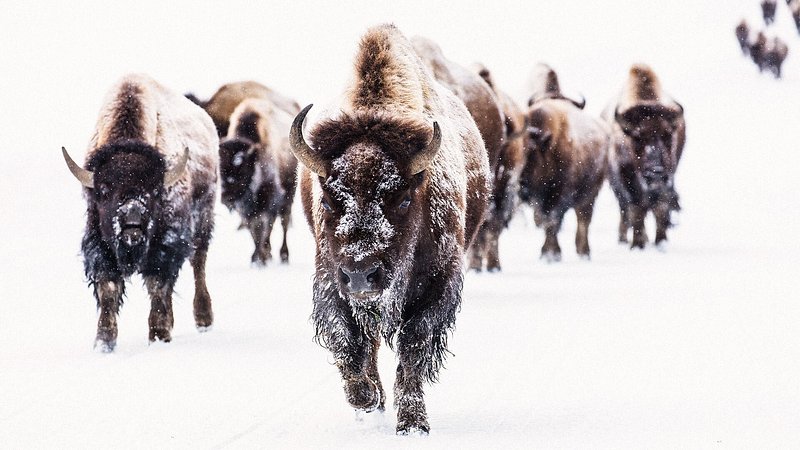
pixel 478 249
pixel 109 299
pixel 363 388
pixel 551 251
pixel 637 215
pixel 161 320
pixel 661 212
pixel 285 219
pixel 258 227
pixel 584 215
pixel 203 315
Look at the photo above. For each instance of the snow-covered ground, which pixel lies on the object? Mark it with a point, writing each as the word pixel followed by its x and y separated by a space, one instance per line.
pixel 694 347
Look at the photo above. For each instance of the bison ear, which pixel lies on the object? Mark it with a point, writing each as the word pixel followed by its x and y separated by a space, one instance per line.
pixel 86 177
pixel 422 159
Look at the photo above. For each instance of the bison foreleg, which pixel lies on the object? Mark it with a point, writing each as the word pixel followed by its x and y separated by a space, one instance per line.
pixel 203 315
pixel 258 227
pixel 661 212
pixel 584 216
pixel 551 251
pixel 285 220
pixel 478 249
pixel 636 215
pixel 161 319
pixel 109 299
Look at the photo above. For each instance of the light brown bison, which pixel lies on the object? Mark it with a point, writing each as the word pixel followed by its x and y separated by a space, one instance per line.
pixel 149 186
pixel 394 187
pixel 486 109
pixel 543 84
pixel 506 180
pixel 565 167
pixel 221 105
pixel 258 172
pixel 648 135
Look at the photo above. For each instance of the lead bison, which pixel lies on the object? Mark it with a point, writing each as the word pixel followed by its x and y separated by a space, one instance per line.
pixel 258 172
pixel 648 133
pixel 394 188
pixel 221 105
pixel 565 168
pixel 149 182
pixel 485 108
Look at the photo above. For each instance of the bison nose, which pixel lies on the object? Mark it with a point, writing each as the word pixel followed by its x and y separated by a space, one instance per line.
pixel 361 281
pixel 133 213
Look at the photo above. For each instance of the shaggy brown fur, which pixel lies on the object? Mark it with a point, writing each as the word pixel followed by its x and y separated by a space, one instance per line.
pixel 221 105
pixel 390 242
pixel 566 163
pixel 649 133
pixel 258 172
pixel 544 84
pixel 506 181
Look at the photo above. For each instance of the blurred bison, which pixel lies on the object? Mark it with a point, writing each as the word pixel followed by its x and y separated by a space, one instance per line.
pixel 743 36
pixel 648 133
pixel 769 54
pixel 768 10
pixel 543 84
pixel 565 168
pixel 794 8
pixel 221 105
pixel 394 187
pixel 149 188
pixel 506 180
pixel 258 172
pixel 486 109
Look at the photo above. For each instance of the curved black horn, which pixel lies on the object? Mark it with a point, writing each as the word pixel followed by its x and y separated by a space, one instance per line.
pixel 302 151
pixel 86 177
pixel 423 159
pixel 580 104
pixel 172 176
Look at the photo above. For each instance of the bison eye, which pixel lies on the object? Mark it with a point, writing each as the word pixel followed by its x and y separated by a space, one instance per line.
pixel 325 205
pixel 406 201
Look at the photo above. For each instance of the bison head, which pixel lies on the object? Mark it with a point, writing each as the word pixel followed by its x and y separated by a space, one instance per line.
pixel 237 166
pixel 125 182
pixel 371 170
pixel 652 130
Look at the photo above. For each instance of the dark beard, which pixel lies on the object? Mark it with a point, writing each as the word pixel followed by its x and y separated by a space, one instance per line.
pixel 129 257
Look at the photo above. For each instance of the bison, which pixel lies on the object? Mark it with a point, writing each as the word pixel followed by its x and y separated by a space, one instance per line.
pixel 648 135
pixel 486 109
pixel 506 179
pixel 258 172
pixel 565 167
pixel 394 187
pixel 150 185
pixel 794 8
pixel 769 54
pixel 743 36
pixel 221 105
pixel 543 83
pixel 768 10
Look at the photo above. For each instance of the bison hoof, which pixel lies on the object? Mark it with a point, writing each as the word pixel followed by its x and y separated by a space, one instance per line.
pixel 493 269
pixel 413 429
pixel 585 256
pixel 363 395
pixel 551 256
pixel 203 322
pixel 104 346
pixel 160 334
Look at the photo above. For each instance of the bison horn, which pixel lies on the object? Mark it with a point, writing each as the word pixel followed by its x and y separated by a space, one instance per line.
pixel 86 177
pixel 581 104
pixel 302 151
pixel 176 173
pixel 423 158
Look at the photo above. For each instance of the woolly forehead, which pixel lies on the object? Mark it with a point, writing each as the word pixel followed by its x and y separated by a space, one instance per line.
pixel 365 170
pixel 128 164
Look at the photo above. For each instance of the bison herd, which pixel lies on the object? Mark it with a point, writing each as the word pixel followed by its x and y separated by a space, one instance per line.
pixel 405 184
pixel 767 53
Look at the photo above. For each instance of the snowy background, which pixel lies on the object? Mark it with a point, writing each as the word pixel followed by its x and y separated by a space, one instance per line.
pixel 695 347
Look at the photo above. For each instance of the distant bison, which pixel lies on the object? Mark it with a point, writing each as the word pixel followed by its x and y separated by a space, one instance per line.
pixel 768 10
pixel 150 186
pixel 485 108
pixel 794 8
pixel 506 179
pixel 769 54
pixel 394 187
pixel 258 172
pixel 743 36
pixel 565 168
pixel 221 105
pixel 649 132
pixel 543 84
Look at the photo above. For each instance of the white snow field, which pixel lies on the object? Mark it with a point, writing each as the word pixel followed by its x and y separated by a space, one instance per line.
pixel 693 347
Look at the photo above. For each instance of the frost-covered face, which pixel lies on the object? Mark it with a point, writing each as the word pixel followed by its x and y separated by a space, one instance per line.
pixel 652 131
pixel 127 189
pixel 369 208
pixel 237 165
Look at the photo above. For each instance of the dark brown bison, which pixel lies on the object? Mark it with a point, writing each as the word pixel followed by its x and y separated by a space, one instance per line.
pixel 565 167
pixel 149 188
pixel 794 8
pixel 221 105
pixel 769 54
pixel 486 109
pixel 768 10
pixel 648 135
pixel 258 172
pixel 394 187
pixel 506 180
pixel 743 36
